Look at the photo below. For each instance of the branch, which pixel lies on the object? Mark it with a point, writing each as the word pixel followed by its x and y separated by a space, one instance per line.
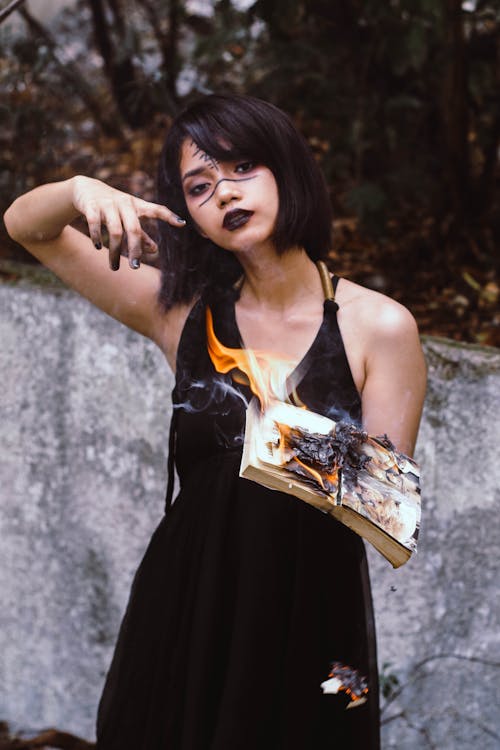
pixel 167 42
pixel 5 13
pixel 484 728
pixel 476 723
pixel 421 730
pixel 460 715
pixel 461 657
pixel 72 75
pixel 434 657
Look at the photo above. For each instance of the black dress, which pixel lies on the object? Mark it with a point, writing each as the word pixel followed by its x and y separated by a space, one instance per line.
pixel 245 595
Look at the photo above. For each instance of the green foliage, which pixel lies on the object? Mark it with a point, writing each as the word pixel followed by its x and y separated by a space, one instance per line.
pixel 389 681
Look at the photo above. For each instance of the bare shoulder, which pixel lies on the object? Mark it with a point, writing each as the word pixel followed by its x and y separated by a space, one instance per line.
pixel 377 331
pixel 387 362
pixel 374 313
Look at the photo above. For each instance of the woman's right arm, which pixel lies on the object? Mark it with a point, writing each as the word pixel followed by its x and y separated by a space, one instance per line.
pixel 39 220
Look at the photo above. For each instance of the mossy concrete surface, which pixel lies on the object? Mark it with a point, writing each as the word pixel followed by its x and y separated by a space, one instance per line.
pixel 85 409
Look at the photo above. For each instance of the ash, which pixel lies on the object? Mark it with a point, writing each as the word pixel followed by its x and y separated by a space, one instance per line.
pixel 339 449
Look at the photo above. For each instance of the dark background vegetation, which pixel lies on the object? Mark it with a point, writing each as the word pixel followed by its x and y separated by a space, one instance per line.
pixel 399 100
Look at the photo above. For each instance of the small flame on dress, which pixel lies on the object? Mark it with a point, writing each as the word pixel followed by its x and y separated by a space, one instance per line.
pixel 265 373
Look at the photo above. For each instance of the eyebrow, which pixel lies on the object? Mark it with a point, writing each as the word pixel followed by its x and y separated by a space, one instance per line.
pixel 194 172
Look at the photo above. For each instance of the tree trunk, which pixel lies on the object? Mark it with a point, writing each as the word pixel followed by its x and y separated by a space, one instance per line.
pixel 454 112
pixel 119 66
pixel 170 51
pixel 487 183
pixel 168 42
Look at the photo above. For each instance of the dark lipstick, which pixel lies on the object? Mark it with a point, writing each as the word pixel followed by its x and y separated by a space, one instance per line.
pixel 236 218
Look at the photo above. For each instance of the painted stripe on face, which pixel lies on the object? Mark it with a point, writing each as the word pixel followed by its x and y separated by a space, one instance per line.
pixel 225 179
pixel 210 160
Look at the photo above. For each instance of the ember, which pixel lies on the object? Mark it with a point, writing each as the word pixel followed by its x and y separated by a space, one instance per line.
pixel 345 679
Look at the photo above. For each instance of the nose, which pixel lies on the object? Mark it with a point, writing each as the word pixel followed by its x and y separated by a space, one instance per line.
pixel 227 191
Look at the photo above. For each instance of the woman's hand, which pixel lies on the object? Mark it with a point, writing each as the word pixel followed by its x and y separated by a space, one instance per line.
pixel 41 219
pixel 120 212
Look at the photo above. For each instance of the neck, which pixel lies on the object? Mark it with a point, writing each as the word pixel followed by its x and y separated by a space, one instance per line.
pixel 278 281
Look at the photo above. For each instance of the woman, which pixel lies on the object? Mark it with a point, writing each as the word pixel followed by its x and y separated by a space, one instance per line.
pixel 244 595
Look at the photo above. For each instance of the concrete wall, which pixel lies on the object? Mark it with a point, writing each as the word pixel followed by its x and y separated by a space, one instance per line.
pixel 84 421
pixel 439 616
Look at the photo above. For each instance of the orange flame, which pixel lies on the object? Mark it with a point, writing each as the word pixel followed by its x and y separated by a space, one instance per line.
pixel 333 476
pixel 266 373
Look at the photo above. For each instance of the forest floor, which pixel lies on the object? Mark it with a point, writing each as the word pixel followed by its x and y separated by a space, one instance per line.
pixel 457 300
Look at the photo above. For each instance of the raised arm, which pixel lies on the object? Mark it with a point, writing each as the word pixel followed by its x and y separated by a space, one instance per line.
pixel 39 220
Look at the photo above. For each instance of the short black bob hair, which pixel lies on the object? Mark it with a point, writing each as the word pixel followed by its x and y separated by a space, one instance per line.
pixel 252 129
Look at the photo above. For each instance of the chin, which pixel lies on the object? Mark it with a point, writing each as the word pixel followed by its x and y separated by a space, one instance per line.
pixel 249 242
pixel 247 245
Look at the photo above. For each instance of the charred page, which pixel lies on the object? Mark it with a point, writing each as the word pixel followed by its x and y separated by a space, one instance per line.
pixel 360 480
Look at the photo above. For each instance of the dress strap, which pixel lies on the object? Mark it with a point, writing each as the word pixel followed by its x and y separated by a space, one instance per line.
pixel 171 460
pixel 329 287
pixel 326 280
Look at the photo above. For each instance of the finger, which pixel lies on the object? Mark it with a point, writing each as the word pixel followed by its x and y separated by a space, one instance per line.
pixel 150 255
pixel 149 246
pixel 134 232
pixel 93 217
pixel 115 231
pixel 156 211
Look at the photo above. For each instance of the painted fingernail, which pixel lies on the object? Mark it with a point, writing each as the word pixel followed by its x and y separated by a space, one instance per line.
pixel 115 265
pixel 97 245
pixel 135 263
pixel 181 221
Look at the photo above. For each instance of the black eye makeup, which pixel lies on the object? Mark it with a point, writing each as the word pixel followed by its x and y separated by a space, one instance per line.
pixel 241 168
pixel 197 190
pixel 245 166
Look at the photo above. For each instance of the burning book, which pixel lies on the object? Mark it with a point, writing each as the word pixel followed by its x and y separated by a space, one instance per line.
pixel 360 480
